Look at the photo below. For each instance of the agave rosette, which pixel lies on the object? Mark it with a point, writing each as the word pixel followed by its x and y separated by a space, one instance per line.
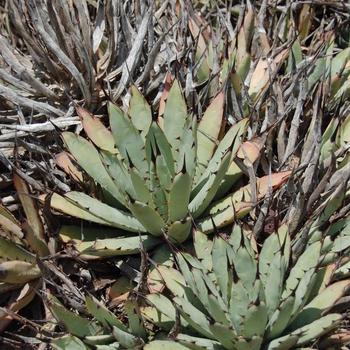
pixel 238 298
pixel 160 173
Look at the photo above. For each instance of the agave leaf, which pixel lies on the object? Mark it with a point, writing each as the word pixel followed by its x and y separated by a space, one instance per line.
pixel 198 343
pixel 317 328
pixel 126 339
pixel 158 193
pixel 242 257
pixel 188 147
pixel 329 142
pixel 179 231
pixel 165 307
pixel 204 197
pixel 11 228
pixel 4 212
pixel 11 251
pixel 302 292
pixel 251 344
pixel 238 305
pixel 245 34
pixel 141 189
pixel 96 131
pixel 148 217
pixel 194 317
pixel 279 320
pixel 102 339
pixel 343 133
pixel 102 314
pixel 74 323
pixel 118 173
pixel 296 55
pixel 255 320
pixel 68 342
pixel 136 324
pixel 140 112
pixel 63 159
pixel 225 335
pixel 127 138
pixel 76 234
pixel 176 283
pixel 173 279
pixel 343 271
pixel 175 115
pixel 203 247
pixel 243 194
pixel 163 256
pixel 222 216
pixel 272 266
pixel 158 140
pixel 84 207
pixel 307 261
pixel 252 148
pixel 179 196
pixel 89 159
pixel 158 318
pixel 110 247
pixel 111 346
pixel 242 70
pixel 322 303
pixel 324 277
pixel 220 266
pixel 230 142
pixel 164 344
pixel 211 124
pixel 17 271
pixel 285 342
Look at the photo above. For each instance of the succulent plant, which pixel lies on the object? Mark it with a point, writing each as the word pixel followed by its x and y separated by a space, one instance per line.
pixel 241 297
pixel 160 173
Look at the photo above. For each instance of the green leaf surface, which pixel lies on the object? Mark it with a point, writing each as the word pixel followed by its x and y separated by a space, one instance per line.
pixel 90 160
pixel 127 138
pixel 148 217
pixel 194 317
pixel 84 207
pixel 70 342
pixel 11 251
pixel 126 339
pixel 321 304
pixel 179 231
pixel 179 196
pixel 140 112
pixel 211 124
pixel 102 314
pixel 317 328
pixel 175 115
pixel 74 323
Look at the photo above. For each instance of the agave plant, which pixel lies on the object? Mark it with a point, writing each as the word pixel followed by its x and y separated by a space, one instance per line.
pixel 160 173
pixel 231 294
pixel 238 297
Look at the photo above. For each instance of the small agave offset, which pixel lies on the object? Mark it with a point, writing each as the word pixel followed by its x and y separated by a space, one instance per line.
pixel 158 175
